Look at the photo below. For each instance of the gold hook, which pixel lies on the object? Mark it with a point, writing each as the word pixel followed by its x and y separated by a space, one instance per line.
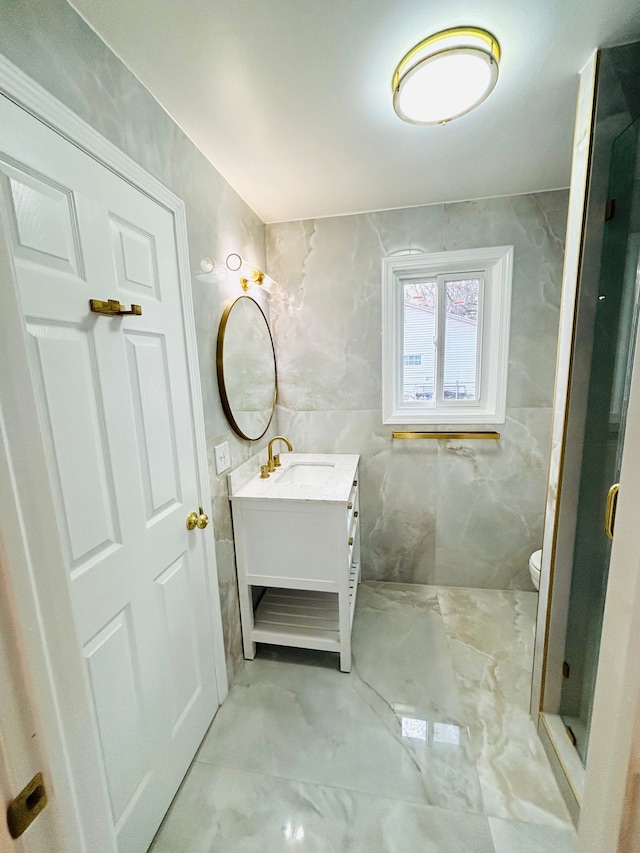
pixel 113 308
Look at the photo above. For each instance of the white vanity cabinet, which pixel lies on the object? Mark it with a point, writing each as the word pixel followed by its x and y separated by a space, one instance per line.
pixel 297 534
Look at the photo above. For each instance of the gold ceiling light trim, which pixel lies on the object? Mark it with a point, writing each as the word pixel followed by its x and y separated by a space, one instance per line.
pixel 477 53
pixel 454 32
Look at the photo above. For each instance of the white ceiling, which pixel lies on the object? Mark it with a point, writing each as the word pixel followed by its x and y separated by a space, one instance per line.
pixel 291 99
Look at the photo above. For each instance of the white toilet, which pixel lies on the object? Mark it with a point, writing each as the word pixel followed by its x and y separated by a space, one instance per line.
pixel 534 568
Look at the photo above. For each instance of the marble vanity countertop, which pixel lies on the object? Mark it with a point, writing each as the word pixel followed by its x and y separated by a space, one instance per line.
pixel 335 488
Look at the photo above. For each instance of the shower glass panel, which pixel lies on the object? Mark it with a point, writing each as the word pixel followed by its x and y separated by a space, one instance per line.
pixel 615 335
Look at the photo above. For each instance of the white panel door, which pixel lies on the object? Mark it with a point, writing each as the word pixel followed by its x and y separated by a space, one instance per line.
pixel 115 417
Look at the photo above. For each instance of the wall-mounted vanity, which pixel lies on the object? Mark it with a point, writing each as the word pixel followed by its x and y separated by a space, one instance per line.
pixel 297 534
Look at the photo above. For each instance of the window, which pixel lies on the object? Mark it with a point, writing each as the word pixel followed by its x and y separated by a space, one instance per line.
pixel 446 336
pixel 412 360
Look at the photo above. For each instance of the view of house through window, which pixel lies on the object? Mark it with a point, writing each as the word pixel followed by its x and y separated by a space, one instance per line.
pixel 441 339
pixel 445 336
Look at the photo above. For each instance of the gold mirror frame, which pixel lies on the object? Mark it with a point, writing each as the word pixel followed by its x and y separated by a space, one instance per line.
pixel 222 384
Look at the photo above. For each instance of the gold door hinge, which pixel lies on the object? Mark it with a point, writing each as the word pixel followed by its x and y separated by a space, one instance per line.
pixel 26 807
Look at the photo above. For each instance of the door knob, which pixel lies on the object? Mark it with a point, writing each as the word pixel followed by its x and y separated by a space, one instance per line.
pixel 194 520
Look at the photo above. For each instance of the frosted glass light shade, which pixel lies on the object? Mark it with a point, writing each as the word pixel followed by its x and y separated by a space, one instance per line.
pixel 445 76
pixel 238 264
pixel 249 274
pixel 269 284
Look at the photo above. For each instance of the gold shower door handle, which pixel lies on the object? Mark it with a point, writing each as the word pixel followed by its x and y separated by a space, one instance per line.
pixel 610 511
pixel 197 520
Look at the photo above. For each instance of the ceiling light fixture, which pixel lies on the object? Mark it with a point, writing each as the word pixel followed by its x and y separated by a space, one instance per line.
pixel 249 274
pixel 446 75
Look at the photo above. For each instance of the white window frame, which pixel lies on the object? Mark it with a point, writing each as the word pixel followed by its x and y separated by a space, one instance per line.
pixel 494 266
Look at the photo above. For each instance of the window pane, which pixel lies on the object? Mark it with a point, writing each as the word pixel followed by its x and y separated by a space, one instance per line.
pixel 461 339
pixel 420 307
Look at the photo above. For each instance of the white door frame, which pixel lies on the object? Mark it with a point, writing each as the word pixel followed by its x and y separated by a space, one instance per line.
pixel 54 668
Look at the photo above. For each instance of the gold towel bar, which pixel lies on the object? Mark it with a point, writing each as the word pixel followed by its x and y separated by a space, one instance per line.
pixel 442 436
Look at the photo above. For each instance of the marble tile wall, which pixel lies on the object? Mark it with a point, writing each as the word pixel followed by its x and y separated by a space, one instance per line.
pixel 453 513
pixel 51 43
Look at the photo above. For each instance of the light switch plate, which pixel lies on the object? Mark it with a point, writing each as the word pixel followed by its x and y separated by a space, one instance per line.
pixel 223 457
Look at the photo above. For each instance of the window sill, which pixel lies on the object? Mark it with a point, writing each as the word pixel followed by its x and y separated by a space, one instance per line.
pixel 477 417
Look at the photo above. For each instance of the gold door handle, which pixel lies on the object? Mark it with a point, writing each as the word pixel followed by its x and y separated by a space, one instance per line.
pixel 194 520
pixel 610 511
pixel 113 308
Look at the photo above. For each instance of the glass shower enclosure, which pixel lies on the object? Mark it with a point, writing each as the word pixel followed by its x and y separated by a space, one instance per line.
pixel 616 324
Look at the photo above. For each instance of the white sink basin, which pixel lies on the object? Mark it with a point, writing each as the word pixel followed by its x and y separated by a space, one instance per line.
pixel 305 474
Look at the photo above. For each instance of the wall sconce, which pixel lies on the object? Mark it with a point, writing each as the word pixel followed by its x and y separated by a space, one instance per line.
pixel 214 270
pixel 250 275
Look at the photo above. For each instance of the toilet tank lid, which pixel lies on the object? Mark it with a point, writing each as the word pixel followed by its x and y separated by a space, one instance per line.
pixel 536 559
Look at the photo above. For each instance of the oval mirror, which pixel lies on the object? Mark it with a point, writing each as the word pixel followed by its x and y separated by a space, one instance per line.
pixel 246 363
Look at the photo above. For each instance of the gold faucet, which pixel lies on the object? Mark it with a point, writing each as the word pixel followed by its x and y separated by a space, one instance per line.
pixel 274 461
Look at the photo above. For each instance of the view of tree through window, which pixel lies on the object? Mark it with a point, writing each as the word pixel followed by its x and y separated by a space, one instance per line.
pixel 462 296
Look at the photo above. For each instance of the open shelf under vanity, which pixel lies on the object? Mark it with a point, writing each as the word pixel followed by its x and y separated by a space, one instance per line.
pixel 307 619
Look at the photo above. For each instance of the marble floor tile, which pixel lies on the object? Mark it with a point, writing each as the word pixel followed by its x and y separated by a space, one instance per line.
pixel 401 651
pixel 493 628
pixel 490 639
pixel 221 810
pixel 517 837
pixel 313 724
pixel 426 745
